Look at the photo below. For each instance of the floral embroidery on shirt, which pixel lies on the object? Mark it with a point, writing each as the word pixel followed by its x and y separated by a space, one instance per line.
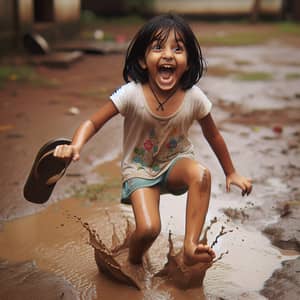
pixel 155 168
pixel 172 143
pixel 145 155
pixel 174 140
pixel 148 145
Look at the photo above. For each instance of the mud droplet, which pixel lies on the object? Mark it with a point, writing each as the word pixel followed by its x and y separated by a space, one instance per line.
pixel 114 262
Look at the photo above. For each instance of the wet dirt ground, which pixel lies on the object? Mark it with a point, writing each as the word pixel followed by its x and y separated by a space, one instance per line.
pixel 46 246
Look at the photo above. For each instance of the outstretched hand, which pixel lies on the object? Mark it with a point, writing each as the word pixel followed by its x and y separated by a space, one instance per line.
pixel 67 151
pixel 245 184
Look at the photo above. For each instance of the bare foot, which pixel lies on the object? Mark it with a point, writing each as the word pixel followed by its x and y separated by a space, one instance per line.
pixel 198 253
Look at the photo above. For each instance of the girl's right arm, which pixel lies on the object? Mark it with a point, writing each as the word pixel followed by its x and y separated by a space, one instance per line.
pixel 85 131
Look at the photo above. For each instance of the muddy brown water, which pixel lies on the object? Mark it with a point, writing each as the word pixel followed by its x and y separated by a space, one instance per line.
pixel 56 240
pixel 59 244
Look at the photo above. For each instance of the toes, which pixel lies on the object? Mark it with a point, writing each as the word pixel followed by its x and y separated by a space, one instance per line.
pixel 202 249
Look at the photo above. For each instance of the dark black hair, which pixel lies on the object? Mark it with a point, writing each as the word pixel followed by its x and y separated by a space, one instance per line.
pixel 160 26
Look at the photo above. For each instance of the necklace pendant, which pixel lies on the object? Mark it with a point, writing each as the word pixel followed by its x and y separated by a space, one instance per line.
pixel 160 107
pixel 161 103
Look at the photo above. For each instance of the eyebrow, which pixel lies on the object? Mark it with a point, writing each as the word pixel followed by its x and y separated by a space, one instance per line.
pixel 162 35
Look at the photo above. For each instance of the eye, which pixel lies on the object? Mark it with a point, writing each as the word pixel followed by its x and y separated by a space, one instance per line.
pixel 179 48
pixel 156 46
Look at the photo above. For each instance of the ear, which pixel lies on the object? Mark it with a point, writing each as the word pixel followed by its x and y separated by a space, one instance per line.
pixel 142 63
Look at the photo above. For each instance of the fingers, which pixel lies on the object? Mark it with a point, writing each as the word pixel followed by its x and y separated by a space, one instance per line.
pixel 245 184
pixel 63 151
pixel 228 182
pixel 201 248
pixel 66 151
pixel 247 187
pixel 76 156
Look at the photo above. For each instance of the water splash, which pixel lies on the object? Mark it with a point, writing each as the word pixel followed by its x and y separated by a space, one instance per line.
pixel 114 262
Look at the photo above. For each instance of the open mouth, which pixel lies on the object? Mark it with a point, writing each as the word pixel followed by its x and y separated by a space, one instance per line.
pixel 166 71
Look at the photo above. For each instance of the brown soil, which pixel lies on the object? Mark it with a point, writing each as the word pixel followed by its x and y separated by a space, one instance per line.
pixel 31 115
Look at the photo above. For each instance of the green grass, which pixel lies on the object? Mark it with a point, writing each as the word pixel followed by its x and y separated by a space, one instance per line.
pixel 241 62
pixel 88 34
pixel 235 39
pixel 22 73
pixel 280 30
pixel 98 93
pixel 98 192
pixel 25 74
pixel 253 76
pixel 291 76
pixel 90 22
pixel 88 18
pixel 222 71
pixel 289 27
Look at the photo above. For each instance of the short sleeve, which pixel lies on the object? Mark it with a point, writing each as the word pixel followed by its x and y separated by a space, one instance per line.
pixel 202 104
pixel 121 97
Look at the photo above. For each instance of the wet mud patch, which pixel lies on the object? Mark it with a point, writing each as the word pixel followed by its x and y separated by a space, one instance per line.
pixel 268 117
pixel 59 244
pixel 285 282
pixel 236 214
pixel 285 232
pixel 248 214
pixel 25 280
pixel 187 277
pixel 113 261
pixel 260 117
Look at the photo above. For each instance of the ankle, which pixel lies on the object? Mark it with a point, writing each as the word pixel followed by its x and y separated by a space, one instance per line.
pixel 189 247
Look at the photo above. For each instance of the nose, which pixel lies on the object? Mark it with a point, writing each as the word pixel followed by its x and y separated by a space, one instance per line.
pixel 168 53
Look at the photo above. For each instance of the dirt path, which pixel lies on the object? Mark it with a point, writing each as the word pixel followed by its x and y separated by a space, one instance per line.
pixel 258 118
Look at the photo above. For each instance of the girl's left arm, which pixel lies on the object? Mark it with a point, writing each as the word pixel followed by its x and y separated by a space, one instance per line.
pixel 219 147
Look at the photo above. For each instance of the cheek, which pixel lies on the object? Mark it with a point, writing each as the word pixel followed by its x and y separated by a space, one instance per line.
pixel 187 64
pixel 142 64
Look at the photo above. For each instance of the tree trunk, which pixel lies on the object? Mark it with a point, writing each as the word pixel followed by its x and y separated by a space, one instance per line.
pixel 255 11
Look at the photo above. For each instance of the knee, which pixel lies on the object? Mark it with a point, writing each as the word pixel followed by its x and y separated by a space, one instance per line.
pixel 148 233
pixel 206 177
pixel 199 175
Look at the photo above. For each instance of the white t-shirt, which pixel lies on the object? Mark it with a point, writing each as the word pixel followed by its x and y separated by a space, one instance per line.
pixel 152 142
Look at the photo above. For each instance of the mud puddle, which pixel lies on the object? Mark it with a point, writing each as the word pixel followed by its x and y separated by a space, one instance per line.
pixel 57 242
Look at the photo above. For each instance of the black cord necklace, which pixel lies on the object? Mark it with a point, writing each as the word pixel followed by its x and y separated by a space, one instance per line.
pixel 161 103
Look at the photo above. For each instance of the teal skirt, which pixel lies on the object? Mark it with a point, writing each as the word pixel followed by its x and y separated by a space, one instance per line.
pixel 135 183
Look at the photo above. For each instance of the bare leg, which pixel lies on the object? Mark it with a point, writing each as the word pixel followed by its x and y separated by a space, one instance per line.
pixel 188 172
pixel 145 203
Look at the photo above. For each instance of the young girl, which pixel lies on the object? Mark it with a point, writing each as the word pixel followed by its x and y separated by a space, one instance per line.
pixel 159 103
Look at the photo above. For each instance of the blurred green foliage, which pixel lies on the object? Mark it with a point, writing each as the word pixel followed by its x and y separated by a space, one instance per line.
pixel 254 76
pixel 289 27
pixel 88 18
pixel 98 191
pixel 24 74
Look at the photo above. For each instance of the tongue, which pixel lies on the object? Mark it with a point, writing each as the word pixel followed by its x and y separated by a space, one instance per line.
pixel 166 74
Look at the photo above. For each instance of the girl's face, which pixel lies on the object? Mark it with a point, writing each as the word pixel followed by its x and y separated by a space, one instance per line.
pixel 166 62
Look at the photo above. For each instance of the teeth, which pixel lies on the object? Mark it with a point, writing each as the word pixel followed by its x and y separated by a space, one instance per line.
pixel 169 68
